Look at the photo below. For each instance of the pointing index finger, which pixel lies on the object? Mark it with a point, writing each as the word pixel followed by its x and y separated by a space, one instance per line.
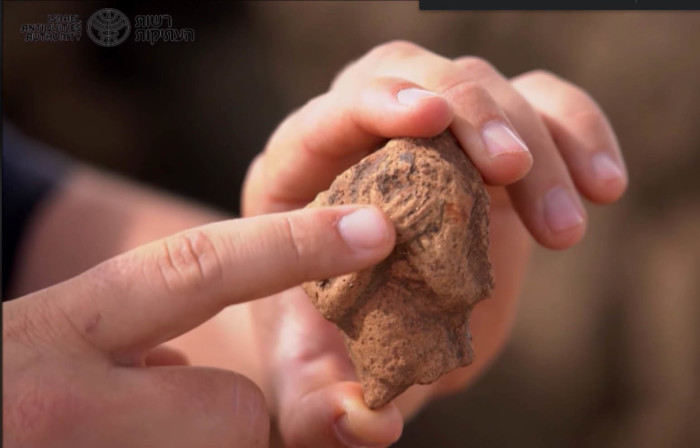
pixel 149 295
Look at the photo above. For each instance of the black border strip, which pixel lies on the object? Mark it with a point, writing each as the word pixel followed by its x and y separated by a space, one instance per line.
pixel 561 5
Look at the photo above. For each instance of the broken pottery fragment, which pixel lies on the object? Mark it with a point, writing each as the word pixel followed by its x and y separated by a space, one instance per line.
pixel 404 320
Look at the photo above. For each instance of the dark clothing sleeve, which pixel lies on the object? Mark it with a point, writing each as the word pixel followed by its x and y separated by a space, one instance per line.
pixel 30 172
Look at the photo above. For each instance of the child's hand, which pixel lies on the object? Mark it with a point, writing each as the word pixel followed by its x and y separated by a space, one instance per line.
pixel 540 143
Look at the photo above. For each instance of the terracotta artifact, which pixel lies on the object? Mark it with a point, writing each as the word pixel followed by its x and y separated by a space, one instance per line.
pixel 404 320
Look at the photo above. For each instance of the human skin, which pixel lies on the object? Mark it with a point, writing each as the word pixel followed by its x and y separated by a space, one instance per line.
pixel 565 149
pixel 83 363
pixel 540 143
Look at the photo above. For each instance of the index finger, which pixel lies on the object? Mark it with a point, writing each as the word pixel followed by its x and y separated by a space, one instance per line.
pixel 151 294
pixel 333 132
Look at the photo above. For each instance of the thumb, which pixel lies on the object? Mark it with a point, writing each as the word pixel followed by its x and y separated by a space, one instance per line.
pixel 317 399
pixel 180 407
pixel 151 294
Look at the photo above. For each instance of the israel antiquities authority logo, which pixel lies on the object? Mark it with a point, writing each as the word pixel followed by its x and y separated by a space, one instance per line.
pixel 108 27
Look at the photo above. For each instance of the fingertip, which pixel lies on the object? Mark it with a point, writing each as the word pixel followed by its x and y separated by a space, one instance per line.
pixel 603 192
pixel 335 415
pixel 427 113
pixel 507 168
pixel 615 189
pixel 606 181
pixel 367 231
pixel 563 220
pixel 556 218
pixel 360 426
pixel 565 239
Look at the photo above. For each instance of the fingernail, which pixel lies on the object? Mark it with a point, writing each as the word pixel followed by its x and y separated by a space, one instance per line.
pixel 345 435
pixel 500 139
pixel 412 96
pixel 362 427
pixel 605 168
pixel 364 228
pixel 560 210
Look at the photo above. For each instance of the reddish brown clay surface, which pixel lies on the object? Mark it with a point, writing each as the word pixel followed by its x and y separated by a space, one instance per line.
pixel 404 321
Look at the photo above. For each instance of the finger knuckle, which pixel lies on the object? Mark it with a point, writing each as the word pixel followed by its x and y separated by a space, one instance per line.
pixel 189 261
pixel 395 49
pixel 466 89
pixel 541 75
pixel 577 105
pixel 573 100
pixel 316 103
pixel 476 66
pixel 589 121
pixel 317 107
pixel 347 75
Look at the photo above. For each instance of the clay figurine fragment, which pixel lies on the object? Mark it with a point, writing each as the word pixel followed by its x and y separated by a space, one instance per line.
pixel 404 320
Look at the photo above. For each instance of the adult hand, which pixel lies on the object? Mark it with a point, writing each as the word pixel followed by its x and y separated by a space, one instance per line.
pixel 83 364
pixel 540 144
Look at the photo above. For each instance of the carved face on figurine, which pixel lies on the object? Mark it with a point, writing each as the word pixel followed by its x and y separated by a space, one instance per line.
pixel 404 321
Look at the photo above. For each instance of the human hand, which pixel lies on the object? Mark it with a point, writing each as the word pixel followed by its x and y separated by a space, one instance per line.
pixel 539 142
pixel 83 361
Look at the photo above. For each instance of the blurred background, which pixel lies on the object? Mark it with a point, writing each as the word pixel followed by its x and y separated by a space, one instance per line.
pixel 606 349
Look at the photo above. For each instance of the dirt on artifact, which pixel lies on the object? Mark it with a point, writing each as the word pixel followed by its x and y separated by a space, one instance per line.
pixel 404 321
